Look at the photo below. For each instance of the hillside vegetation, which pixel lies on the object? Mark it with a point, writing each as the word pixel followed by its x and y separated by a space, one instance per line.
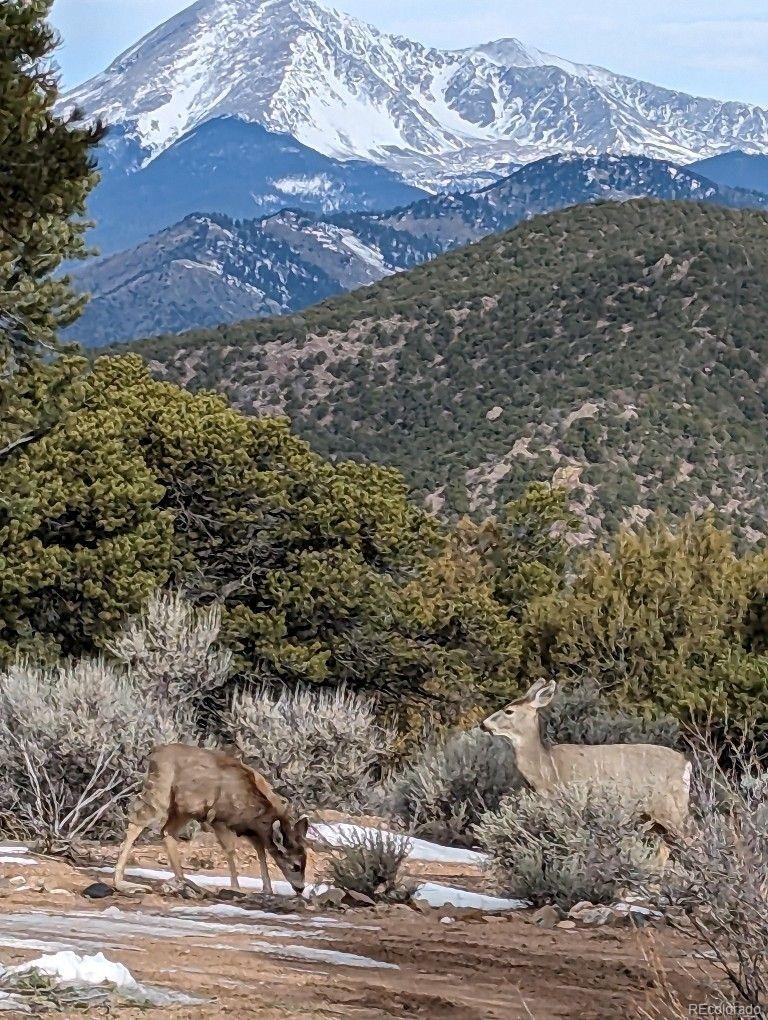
pixel 210 269
pixel 617 349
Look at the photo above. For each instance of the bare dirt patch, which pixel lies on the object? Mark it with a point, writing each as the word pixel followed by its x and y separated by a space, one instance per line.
pixel 387 961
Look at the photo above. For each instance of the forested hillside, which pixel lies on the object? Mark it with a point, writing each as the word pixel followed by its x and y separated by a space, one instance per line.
pixel 618 349
pixel 210 269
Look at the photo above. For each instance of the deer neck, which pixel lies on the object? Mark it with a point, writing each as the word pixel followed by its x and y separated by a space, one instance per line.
pixel 535 762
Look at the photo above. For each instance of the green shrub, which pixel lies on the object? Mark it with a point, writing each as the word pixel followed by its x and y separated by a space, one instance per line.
pixel 581 842
pixel 447 790
pixel 369 862
pixel 668 621
pixel 581 714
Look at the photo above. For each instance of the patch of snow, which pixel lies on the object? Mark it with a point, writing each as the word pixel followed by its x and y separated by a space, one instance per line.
pixel 208 881
pixel 371 256
pixel 12 1003
pixel 209 267
pixel 128 924
pixel 319 184
pixel 230 910
pixel 119 930
pixel 331 956
pixel 71 968
pixel 444 895
pixel 16 853
pixel 34 945
pixel 338 833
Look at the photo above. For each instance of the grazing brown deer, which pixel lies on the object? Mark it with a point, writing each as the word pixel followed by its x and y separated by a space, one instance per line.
pixel 191 783
pixel 657 778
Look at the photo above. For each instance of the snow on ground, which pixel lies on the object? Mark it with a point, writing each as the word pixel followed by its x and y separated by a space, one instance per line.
pixel 305 186
pixel 225 910
pixel 338 833
pixel 445 895
pixel 312 955
pixel 436 895
pixel 371 256
pixel 70 968
pixel 208 881
pixel 224 926
pixel 15 853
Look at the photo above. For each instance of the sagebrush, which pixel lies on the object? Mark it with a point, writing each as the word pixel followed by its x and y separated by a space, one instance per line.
pixel 721 872
pixel 319 748
pixel 368 861
pixel 446 791
pixel 580 842
pixel 73 745
pixel 172 650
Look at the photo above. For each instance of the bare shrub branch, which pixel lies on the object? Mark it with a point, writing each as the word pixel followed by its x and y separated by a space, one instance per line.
pixel 73 745
pixel 171 650
pixel 722 869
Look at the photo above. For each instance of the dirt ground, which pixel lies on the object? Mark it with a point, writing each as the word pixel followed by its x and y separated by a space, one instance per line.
pixel 385 961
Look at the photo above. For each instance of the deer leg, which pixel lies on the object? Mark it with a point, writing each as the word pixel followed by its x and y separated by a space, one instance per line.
pixel 266 881
pixel 228 841
pixel 170 832
pixel 172 850
pixel 135 829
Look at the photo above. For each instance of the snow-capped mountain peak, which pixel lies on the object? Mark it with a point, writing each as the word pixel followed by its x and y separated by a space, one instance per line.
pixel 347 90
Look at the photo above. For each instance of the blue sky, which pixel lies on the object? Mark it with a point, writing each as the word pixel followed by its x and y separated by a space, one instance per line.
pixel 707 47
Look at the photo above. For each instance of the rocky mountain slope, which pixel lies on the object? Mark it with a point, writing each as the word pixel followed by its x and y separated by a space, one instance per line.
pixel 735 170
pixel 204 270
pixel 230 166
pixel 209 269
pixel 347 90
pixel 617 349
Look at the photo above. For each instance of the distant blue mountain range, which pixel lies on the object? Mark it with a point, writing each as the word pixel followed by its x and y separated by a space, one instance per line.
pixel 207 268
pixel 735 170
pixel 231 167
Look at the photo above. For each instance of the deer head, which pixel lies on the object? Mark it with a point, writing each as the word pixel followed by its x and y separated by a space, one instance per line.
pixel 518 722
pixel 288 848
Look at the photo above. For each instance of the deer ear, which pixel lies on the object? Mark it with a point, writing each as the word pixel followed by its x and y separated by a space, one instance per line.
pixel 542 693
pixel 277 834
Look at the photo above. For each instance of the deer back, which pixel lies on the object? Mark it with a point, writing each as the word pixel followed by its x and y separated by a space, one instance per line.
pixel 209 785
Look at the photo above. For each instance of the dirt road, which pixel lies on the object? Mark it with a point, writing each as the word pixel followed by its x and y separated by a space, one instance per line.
pixel 380 962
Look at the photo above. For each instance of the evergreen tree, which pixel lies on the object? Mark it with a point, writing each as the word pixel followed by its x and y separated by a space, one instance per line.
pixel 668 620
pixel 326 572
pixel 46 172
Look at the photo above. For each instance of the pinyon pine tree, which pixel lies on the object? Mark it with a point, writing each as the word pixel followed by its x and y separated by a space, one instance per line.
pixel 46 172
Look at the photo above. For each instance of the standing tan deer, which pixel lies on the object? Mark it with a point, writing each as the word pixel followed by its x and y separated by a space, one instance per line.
pixel 224 795
pixel 656 777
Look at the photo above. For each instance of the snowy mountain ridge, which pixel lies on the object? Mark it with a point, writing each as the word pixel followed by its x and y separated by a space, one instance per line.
pixel 348 90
